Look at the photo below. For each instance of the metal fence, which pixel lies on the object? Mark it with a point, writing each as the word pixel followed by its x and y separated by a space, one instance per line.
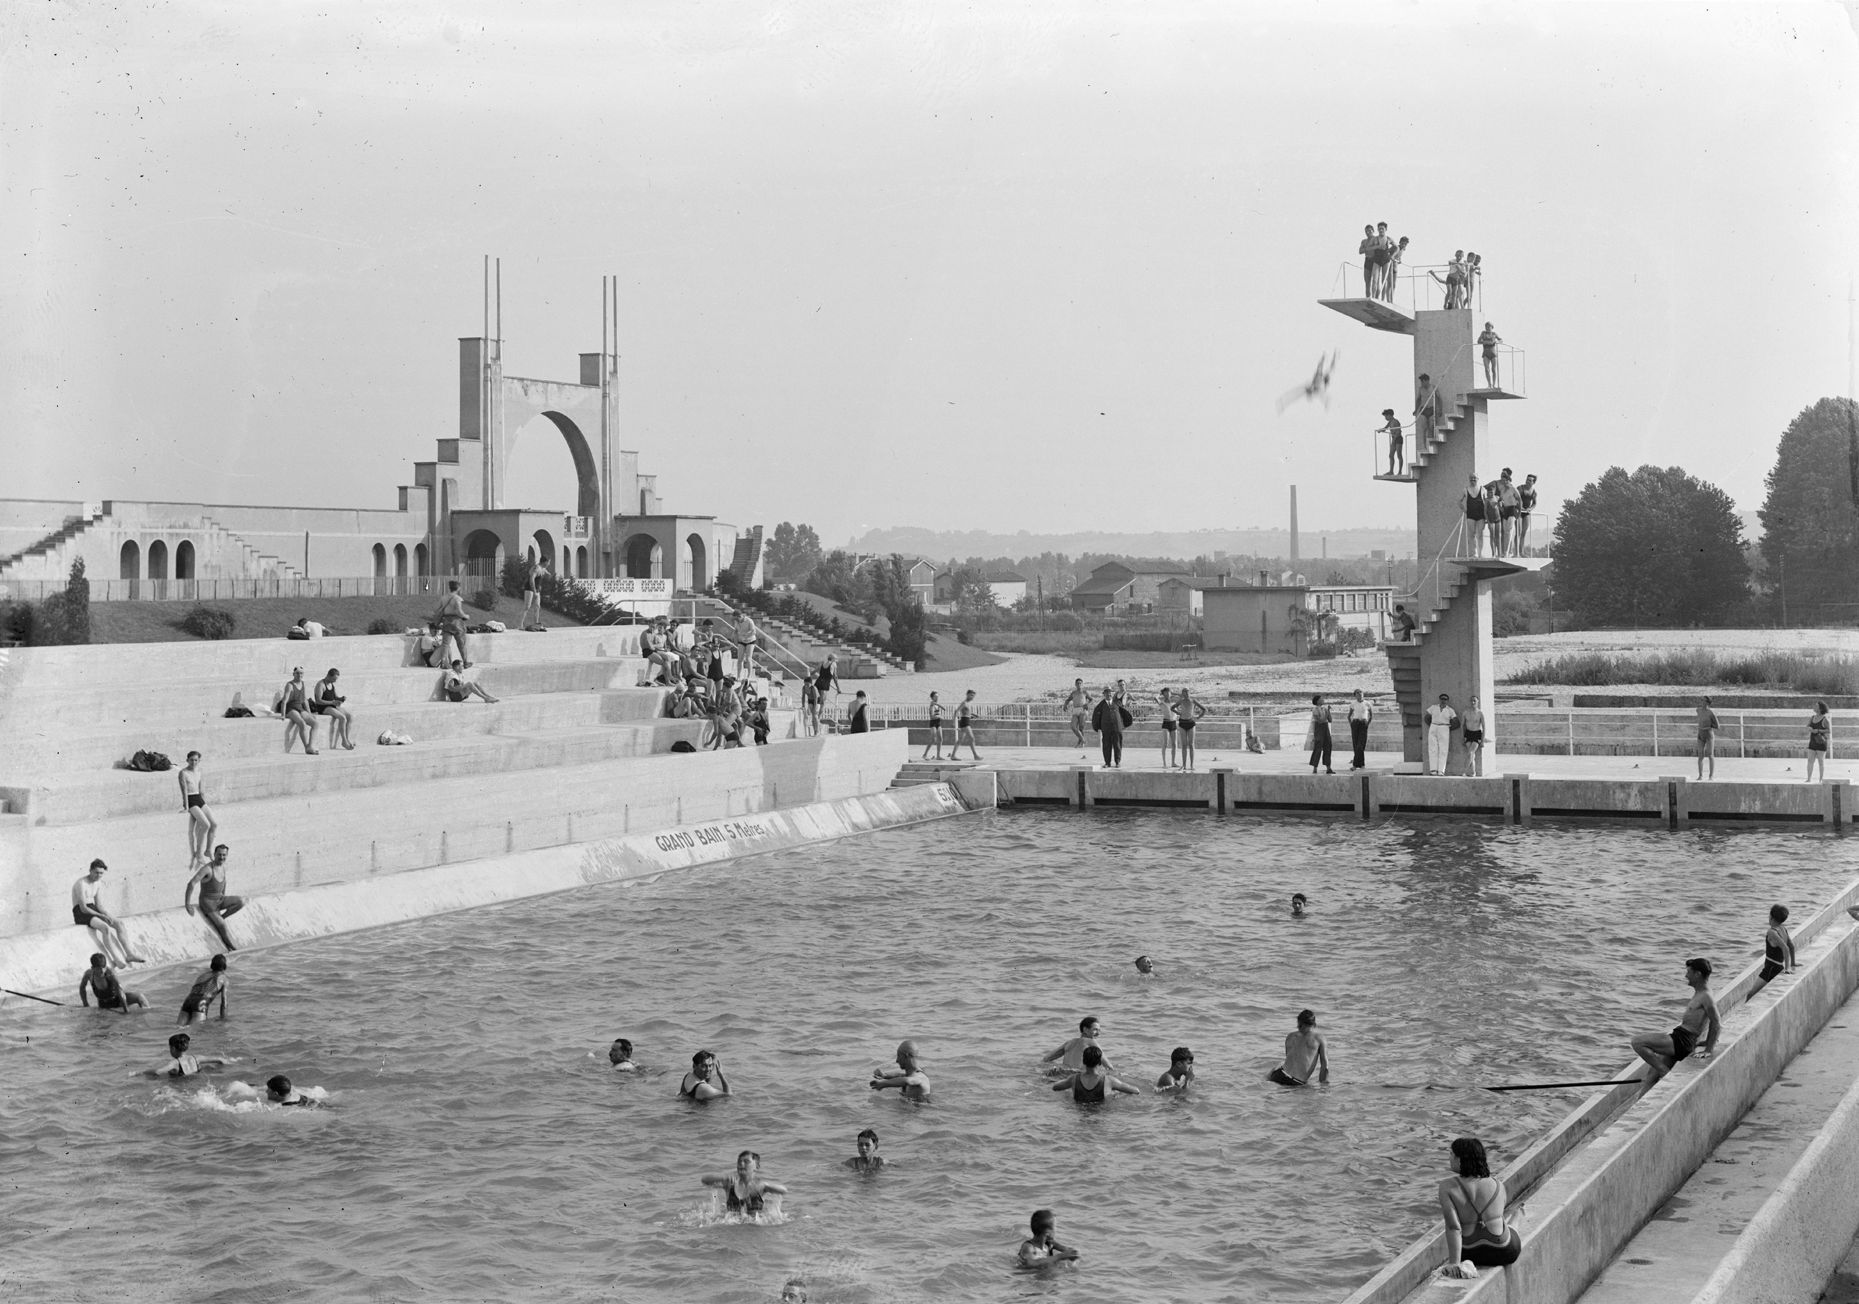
pixel 229 589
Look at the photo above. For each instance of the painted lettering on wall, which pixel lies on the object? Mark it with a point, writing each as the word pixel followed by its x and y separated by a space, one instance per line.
pixel 712 835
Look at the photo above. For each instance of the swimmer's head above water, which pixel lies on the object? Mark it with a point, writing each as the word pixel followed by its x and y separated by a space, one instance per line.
pixel 1144 964
pixel 1298 902
pixel 867 1143
pixel 620 1052
pixel 178 1044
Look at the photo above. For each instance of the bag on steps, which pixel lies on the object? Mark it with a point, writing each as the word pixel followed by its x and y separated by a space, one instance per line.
pixel 144 760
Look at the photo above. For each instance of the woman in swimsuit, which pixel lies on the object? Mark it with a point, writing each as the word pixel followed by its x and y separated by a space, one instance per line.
pixel 1088 1085
pixel 296 709
pixel 1473 1206
pixel 1488 341
pixel 1473 724
pixel 965 727
pixel 1188 713
pixel 745 1190
pixel 1777 946
pixel 201 826
pixel 705 1081
pixel 1168 729
pixel 328 702
pixel 1819 727
pixel 935 727
pixel 1474 515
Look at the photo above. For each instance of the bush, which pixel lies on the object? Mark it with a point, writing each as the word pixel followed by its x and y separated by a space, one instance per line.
pixel 485 599
pixel 384 626
pixel 209 622
pixel 1700 668
pixel 64 617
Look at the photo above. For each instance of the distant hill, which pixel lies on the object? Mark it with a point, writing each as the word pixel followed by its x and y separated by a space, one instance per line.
pixel 1187 544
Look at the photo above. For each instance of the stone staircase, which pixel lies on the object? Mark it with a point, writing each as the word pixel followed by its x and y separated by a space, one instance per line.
pixel 806 646
pixel 48 553
pixel 916 773
pixel 256 562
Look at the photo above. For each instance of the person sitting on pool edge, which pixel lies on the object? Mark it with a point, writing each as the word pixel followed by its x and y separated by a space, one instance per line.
pixel 1179 1075
pixel 100 981
pixel 1089 1083
pixel 909 1078
pixel 1473 1205
pixel 868 1159
pixel 1071 1054
pixel 705 1081
pixel 279 1091
pixel 1304 1050
pixel 1663 1050
pixel 620 1056
pixel 1043 1247
pixel 745 1190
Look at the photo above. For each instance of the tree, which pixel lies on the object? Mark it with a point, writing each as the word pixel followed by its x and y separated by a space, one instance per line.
pixel 1657 547
pixel 1810 519
pixel 792 552
pixel 890 589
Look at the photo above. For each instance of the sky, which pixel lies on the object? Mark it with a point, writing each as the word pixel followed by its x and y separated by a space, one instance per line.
pixel 1003 266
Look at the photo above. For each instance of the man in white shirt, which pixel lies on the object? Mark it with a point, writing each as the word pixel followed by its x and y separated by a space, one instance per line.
pixel 1441 721
pixel 1360 713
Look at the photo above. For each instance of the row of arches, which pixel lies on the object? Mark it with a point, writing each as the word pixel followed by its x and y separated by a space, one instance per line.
pixel 129 566
pixel 400 561
pixel 645 559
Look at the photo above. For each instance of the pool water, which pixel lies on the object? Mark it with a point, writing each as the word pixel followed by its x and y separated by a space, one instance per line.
pixel 477 1147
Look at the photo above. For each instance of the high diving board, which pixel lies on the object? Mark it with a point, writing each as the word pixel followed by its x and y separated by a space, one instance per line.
pixel 1491 393
pixel 1373 312
pixel 1491 568
pixel 1406 478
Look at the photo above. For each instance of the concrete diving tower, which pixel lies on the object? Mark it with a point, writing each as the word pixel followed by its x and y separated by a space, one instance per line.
pixel 1451 649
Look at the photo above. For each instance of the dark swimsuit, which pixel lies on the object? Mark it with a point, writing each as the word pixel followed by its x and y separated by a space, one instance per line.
pixel 196 799
pixel 1817 733
pixel 1684 1041
pixel 859 723
pixel 1089 1095
pixel 1772 958
pixel 109 992
pixel 736 1204
pixel 1474 507
pixel 1485 1252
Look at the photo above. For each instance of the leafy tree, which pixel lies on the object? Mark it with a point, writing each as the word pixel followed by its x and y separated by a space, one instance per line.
pixel 890 589
pixel 1657 547
pixel 65 617
pixel 836 576
pixel 792 552
pixel 1810 519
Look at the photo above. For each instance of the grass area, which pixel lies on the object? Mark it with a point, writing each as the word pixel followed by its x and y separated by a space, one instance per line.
pixel 944 653
pixel 160 622
pixel 1175 661
pixel 1047 642
pixel 1699 667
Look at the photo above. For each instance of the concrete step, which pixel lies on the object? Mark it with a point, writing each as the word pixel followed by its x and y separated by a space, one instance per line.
pixel 35 755
pixel 116 793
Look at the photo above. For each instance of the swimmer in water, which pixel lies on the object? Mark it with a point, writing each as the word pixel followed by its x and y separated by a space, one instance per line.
pixel 1071 1054
pixel 744 1190
pixel 1043 1247
pixel 909 1077
pixel 207 988
pixel 1304 1050
pixel 100 981
pixel 868 1160
pixel 1088 1085
pixel 793 1291
pixel 1145 966
pixel 1179 1075
pixel 1298 902
pixel 620 1056
pixel 183 1065
pixel 705 1081
pixel 279 1091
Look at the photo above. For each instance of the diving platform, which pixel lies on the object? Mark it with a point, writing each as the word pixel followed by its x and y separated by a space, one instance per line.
pixel 1406 477
pixel 1491 393
pixel 1491 568
pixel 1373 312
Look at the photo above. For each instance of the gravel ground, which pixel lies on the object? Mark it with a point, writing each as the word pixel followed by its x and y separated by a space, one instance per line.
pixel 1026 677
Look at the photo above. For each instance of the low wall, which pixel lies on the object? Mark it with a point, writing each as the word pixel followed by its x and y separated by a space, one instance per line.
pixel 1796 1240
pixel 50 961
pixel 1582 1212
pixel 1671 800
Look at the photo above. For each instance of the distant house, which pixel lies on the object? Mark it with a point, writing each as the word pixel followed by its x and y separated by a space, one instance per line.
pixel 1115 589
pixel 1008 587
pixel 1285 617
pixel 923 581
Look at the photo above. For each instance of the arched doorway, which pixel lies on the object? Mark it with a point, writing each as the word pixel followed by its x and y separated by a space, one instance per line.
pixel 400 561
pixel 700 563
pixel 184 560
pixel 544 546
pixel 131 565
pixel 580 562
pixel 380 568
pixel 484 557
pixel 643 557
pixel 158 560
pixel 419 559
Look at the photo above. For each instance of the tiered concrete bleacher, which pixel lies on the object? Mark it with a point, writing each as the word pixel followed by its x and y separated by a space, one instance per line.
pixel 572 752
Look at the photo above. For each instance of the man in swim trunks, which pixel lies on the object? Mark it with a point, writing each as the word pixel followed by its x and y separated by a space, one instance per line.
pixel 1707 738
pixel 1426 410
pixel 1366 252
pixel 457 688
pixel 1071 1054
pixel 1526 504
pixel 1663 1050
pixel 279 1091
pixel 87 912
pixel 1180 1073
pixel 208 987
pixel 909 1078
pixel 868 1159
pixel 100 980
pixel 1304 1050
pixel 620 1056
pixel 705 1081
pixel 748 638
pixel 1397 443
pixel 744 1190
pixel 1042 1247
pixel 183 1065
pixel 1077 702
pixel 210 878
pixel 858 714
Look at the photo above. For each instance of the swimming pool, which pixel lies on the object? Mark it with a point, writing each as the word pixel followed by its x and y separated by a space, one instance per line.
pixel 476 1150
